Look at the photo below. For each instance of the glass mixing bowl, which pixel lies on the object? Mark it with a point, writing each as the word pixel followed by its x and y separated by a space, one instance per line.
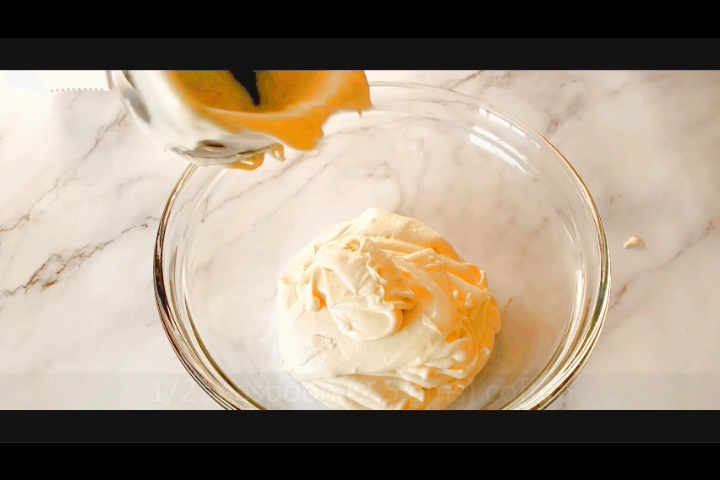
pixel 504 197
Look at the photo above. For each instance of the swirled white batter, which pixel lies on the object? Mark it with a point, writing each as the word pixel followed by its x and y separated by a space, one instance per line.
pixel 381 313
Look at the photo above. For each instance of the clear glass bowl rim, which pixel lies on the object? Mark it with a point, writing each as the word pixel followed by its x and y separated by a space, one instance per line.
pixel 220 389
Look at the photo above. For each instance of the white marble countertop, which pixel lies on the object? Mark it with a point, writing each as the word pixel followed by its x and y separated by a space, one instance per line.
pixel 82 189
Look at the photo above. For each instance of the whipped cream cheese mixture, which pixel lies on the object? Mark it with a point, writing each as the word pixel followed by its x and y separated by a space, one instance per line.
pixel 380 312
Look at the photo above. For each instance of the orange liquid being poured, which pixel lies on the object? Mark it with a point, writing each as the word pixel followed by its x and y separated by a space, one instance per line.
pixel 293 105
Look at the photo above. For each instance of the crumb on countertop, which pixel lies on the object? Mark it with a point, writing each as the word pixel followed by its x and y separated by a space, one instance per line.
pixel 634 242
